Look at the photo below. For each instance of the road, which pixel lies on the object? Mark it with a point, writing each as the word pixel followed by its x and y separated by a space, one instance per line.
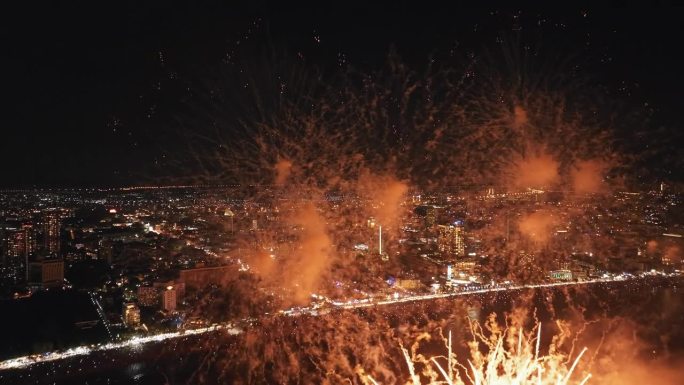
pixel 236 327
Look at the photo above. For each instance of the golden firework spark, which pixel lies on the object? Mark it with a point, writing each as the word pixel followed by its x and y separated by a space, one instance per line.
pixel 504 357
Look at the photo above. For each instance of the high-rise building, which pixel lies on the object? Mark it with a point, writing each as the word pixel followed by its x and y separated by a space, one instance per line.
pixel 29 239
pixel 380 240
pixel 430 216
pixel 178 285
pixel 169 299
pixel 51 232
pixel 14 243
pixel 5 236
pixel 428 213
pixel 46 273
pixel 105 251
pixel 148 296
pixel 229 213
pixel 383 255
pixel 131 314
pixel 451 240
pixel 20 242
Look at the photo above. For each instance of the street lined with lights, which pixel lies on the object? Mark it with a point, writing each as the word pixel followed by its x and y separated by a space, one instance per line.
pixel 235 328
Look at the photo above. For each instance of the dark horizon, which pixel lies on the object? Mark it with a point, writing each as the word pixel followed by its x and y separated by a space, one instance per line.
pixel 91 87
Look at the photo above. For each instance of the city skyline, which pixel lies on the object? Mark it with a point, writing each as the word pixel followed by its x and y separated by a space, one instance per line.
pixel 352 193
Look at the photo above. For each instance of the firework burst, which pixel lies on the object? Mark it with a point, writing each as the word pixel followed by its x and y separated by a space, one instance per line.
pixel 339 149
pixel 497 357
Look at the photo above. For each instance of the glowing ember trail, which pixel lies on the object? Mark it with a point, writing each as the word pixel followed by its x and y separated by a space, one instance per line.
pixel 501 358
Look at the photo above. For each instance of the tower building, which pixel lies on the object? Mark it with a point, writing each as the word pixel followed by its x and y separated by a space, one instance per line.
pixel 451 240
pixel 46 273
pixel 51 232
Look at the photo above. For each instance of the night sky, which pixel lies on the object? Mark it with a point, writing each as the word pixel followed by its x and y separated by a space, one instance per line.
pixel 90 87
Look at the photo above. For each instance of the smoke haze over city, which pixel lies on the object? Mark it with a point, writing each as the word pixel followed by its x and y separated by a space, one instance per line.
pixel 357 193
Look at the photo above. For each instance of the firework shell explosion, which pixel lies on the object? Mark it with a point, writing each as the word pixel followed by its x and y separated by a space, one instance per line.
pixel 498 357
pixel 453 125
pixel 331 153
pixel 334 160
